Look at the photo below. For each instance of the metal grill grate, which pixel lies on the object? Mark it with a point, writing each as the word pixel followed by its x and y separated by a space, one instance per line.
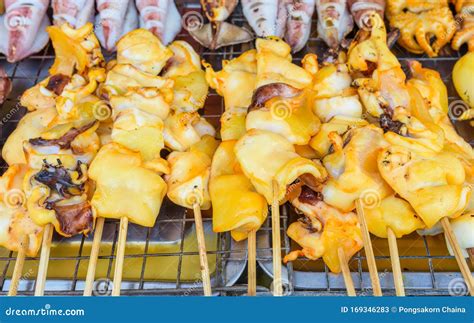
pixel 229 257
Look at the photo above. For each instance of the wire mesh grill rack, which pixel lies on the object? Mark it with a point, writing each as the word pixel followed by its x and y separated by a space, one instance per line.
pixel 428 269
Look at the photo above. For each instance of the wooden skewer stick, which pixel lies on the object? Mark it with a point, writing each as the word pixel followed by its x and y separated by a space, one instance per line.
pixel 346 273
pixel 453 242
pixel 216 28
pixel 91 269
pixel 44 260
pixel 395 259
pixel 18 270
pixel 276 242
pixel 205 275
pixel 252 263
pixel 369 252
pixel 122 241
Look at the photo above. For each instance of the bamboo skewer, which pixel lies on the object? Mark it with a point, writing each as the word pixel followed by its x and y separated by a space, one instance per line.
pixel 205 275
pixel 346 273
pixel 91 269
pixel 369 252
pixel 252 263
pixel 18 270
pixel 395 259
pixel 122 241
pixel 465 271
pixel 216 28
pixel 276 242
pixel 44 260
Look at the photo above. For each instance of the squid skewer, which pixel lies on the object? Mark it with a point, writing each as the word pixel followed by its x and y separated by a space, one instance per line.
pixel 189 177
pixel 18 270
pixel 325 232
pixel 276 242
pixel 91 269
pixel 395 259
pixel 453 242
pixel 252 263
pixel 205 275
pixel 44 260
pixel 18 232
pixel 369 251
pixel 121 243
pixel 346 273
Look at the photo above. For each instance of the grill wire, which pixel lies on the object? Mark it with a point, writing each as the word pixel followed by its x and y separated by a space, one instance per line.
pixel 28 72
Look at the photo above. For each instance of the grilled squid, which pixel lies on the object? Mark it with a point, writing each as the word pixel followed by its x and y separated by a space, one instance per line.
pixel 22 28
pixel 266 156
pixel 288 19
pixel 115 19
pixel 236 206
pixel 74 12
pixel 16 226
pixel 323 230
pixel 298 25
pixel 217 33
pixel 334 21
pixel 218 10
pixel 262 16
pixel 425 26
pixel 361 10
pixel 465 13
pixel 161 17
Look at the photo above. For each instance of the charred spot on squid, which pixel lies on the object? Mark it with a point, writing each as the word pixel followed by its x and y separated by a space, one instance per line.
pixel 63 142
pixel 309 224
pixel 388 124
pixel 74 218
pixel 57 83
pixel 58 178
pixel 309 196
pixel 270 91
